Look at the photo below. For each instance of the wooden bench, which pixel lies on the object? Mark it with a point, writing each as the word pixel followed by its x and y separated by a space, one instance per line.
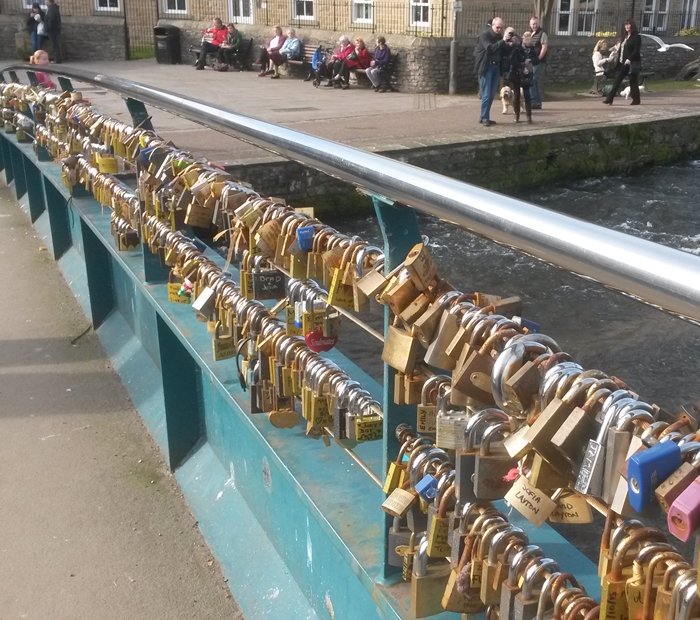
pixel 243 57
pixel 643 76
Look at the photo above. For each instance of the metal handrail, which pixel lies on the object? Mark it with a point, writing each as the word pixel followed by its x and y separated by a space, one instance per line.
pixel 663 277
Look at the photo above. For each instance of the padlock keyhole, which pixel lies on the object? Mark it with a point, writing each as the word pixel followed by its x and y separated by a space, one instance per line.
pixel 679 522
pixel 634 484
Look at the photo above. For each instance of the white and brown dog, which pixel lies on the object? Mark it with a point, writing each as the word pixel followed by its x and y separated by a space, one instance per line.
pixel 507 96
pixel 625 92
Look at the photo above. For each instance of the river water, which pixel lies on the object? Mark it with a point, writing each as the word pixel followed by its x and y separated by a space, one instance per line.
pixel 656 354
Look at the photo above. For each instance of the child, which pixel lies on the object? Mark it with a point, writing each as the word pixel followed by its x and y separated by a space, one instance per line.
pixel 41 57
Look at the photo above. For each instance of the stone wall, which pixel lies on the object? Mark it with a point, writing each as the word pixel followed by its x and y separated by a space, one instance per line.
pixel 423 63
pixel 505 165
pixel 94 38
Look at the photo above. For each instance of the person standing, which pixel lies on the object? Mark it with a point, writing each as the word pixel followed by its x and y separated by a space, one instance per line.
pixel 630 62
pixel 541 45
pixel 36 27
pixel 487 65
pixel 52 22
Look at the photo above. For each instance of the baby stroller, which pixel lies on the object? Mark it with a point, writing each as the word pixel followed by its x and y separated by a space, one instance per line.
pixel 319 66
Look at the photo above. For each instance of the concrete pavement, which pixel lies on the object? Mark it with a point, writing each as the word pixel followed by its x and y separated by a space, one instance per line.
pixel 92 524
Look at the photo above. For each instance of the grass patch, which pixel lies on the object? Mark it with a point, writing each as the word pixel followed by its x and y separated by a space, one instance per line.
pixel 142 51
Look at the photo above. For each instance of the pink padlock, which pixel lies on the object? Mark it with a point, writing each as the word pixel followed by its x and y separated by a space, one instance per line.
pixel 684 514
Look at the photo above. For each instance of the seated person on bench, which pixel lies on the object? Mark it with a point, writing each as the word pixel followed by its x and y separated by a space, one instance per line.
pixel 211 42
pixel 290 50
pixel 273 47
pixel 377 72
pixel 231 49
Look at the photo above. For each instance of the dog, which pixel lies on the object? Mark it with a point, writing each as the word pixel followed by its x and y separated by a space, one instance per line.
pixel 507 97
pixel 625 92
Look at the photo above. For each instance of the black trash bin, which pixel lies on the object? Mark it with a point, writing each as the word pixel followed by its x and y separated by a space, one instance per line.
pixel 167 42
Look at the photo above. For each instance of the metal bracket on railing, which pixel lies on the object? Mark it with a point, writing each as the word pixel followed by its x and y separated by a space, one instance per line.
pixel 139 114
pixel 399 226
pixel 65 83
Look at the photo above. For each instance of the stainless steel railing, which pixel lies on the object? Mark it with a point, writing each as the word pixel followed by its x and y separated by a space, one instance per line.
pixel 660 276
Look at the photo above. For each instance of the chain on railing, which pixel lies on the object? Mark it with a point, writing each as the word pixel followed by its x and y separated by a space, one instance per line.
pixel 513 416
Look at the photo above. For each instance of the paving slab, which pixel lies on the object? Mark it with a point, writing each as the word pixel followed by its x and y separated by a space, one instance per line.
pixel 93 523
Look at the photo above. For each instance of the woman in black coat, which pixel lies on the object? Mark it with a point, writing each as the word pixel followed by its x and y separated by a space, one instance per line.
pixel 36 27
pixel 630 62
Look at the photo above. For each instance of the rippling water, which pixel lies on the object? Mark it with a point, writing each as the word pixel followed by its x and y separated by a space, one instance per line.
pixel 655 353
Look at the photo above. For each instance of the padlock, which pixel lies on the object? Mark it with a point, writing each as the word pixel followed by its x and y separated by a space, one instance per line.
pixel 543 475
pixel 426 325
pixel 438 527
pixel 667 492
pixel 613 601
pixel 683 517
pixel 589 480
pixel 427 583
pixel 545 603
pixel 653 579
pixel 636 583
pixel 505 542
pixel 460 594
pixel 406 553
pixel 493 465
pixel 531 502
pixel 688 600
pixel 450 423
pixel 445 332
pixel 647 469
pixel 684 589
pixel 426 411
pixel 365 255
pixel 527 600
pixel 664 594
pixel 571 508
pixel 617 445
pixel 401 350
pixel 512 584
pixel 397 536
pixel 483 540
pixel 466 455
pixel 551 419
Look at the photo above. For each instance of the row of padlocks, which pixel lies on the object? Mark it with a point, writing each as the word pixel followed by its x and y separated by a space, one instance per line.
pixel 501 412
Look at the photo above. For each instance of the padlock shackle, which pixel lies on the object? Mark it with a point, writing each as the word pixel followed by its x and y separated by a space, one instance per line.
pixel 621 551
pixel 651 576
pixel 501 539
pixel 534 572
pixel 527 553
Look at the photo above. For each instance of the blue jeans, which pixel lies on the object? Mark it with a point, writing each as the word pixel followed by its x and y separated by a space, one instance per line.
pixel 488 86
pixel 537 88
pixel 37 41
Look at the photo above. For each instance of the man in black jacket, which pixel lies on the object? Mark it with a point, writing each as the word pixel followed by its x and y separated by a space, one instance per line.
pixel 487 65
pixel 53 29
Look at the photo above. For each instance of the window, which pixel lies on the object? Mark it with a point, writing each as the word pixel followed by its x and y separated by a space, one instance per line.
pixel 303 9
pixel 175 6
pixel 107 5
pixel 689 14
pixel 362 11
pixel 576 17
pixel 564 17
pixel 420 12
pixel 241 11
pixel 585 23
pixel 655 16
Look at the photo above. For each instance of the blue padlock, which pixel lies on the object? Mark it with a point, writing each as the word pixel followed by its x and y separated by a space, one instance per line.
pixel 426 487
pixel 647 469
pixel 305 238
